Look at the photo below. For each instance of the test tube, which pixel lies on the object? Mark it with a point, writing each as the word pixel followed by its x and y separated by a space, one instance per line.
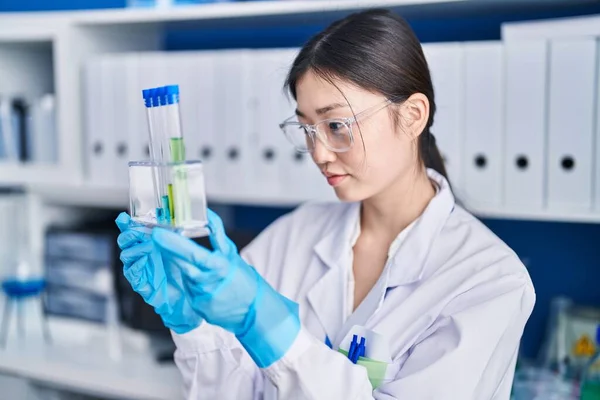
pixel 173 123
pixel 156 131
pixel 180 206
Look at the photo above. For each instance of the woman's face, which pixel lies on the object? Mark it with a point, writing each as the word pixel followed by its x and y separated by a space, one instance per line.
pixel 390 152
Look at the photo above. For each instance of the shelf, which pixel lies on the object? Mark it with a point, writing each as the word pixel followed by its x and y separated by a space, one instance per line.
pixel 543 215
pixel 81 364
pixel 114 197
pixel 286 11
pixel 82 195
pixel 32 174
pixel 63 368
pixel 560 27
pixel 109 197
pixel 25 35
pixel 247 9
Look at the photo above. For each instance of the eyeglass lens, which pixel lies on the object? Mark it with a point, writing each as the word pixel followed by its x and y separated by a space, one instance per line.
pixel 335 134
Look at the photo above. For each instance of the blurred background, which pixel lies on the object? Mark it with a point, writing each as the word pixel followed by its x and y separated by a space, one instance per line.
pixel 518 93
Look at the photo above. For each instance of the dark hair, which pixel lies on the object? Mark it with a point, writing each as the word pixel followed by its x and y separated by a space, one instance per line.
pixel 378 51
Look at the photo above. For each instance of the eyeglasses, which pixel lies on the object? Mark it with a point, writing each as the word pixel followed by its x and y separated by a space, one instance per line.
pixel 335 133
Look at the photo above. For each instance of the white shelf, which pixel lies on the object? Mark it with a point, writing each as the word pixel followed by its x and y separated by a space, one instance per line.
pixel 78 359
pixel 560 27
pixel 118 198
pixel 542 215
pixel 25 35
pixel 87 195
pixel 247 9
pixel 83 195
pixel 290 9
pixel 15 174
pixel 208 11
pixel 76 370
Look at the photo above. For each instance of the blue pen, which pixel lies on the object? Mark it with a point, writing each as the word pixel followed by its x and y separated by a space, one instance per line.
pixel 361 348
pixel 352 348
pixel 357 351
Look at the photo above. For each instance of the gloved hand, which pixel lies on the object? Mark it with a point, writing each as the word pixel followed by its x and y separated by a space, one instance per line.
pixel 143 267
pixel 229 293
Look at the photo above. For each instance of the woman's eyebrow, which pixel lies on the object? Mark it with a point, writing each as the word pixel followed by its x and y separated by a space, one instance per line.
pixel 326 109
pixel 323 110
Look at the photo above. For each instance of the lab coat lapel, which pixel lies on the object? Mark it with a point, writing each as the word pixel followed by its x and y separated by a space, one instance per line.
pixel 365 310
pixel 408 263
pixel 334 254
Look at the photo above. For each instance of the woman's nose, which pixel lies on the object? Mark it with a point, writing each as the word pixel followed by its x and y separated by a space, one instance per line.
pixel 321 154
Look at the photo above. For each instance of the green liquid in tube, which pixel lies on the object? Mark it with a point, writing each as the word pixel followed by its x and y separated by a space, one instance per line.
pixel 177 149
pixel 171 203
pixel 180 194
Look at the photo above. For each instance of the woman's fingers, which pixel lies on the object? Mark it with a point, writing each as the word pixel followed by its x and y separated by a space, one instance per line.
pixel 137 277
pixel 218 237
pixel 123 221
pixel 132 254
pixel 131 237
pixel 198 266
pixel 179 247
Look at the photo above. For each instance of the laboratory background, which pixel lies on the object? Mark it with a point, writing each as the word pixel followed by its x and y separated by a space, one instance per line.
pixel 517 85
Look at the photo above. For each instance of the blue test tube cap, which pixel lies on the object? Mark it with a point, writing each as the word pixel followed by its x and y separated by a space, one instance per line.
pixel 147 98
pixel 160 96
pixel 171 94
pixel 153 97
pixel 598 334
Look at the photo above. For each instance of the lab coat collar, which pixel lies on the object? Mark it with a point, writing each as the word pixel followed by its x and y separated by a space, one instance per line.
pixel 408 262
pixel 335 253
pixel 335 248
pixel 336 245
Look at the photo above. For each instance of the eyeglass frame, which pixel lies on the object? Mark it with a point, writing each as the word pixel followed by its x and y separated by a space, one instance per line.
pixel 311 129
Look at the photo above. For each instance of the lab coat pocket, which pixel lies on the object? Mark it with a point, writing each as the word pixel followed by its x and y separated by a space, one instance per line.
pixel 379 372
pixel 391 372
pixel 375 355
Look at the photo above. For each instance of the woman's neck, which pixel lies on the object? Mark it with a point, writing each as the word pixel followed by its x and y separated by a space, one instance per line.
pixel 391 211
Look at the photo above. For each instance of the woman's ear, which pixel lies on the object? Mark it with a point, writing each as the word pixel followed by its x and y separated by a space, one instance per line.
pixel 414 114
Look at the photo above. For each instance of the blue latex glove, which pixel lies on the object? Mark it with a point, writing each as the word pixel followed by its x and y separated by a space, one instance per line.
pixel 143 267
pixel 229 293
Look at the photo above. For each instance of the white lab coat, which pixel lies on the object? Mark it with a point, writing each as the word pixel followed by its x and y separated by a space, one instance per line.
pixel 452 302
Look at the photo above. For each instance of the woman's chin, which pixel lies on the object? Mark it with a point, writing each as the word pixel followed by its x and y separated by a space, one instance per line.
pixel 348 195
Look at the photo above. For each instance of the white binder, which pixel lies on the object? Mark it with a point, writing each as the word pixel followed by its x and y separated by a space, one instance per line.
pixel 571 124
pixel 137 125
pixel 526 68
pixel 233 111
pixel 272 155
pixel 484 119
pixel 120 91
pixel 446 65
pixel 205 144
pixel 99 132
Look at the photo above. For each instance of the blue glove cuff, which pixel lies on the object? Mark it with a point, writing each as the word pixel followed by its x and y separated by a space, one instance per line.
pixel 272 324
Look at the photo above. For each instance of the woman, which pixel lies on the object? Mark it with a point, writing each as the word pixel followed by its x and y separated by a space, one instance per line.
pixel 441 301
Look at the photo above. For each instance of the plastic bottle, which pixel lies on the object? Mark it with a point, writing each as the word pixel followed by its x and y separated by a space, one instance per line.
pixel 590 380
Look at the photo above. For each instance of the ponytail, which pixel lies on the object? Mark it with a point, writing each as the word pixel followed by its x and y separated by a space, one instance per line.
pixel 430 154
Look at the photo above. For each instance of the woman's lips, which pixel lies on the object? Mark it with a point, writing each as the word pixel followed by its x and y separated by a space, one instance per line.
pixel 335 180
